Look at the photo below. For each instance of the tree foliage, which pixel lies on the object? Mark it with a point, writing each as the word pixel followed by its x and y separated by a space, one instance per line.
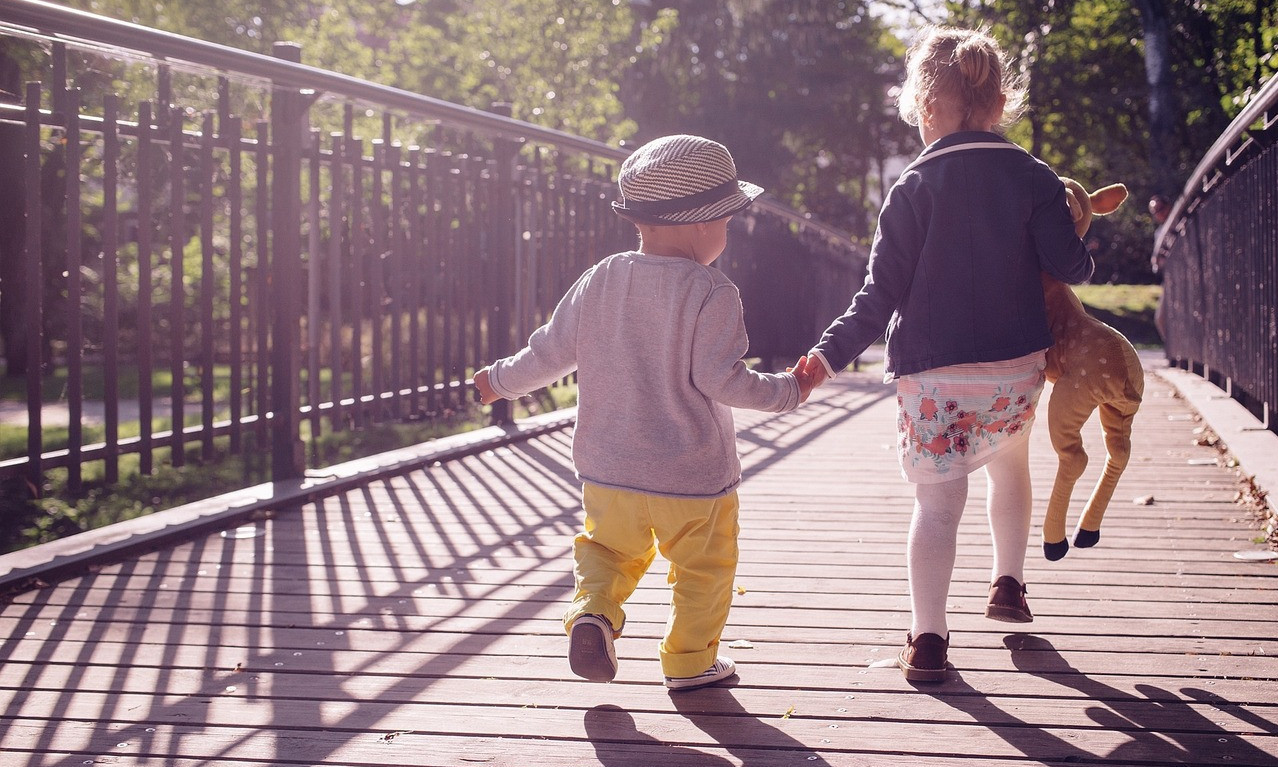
pixel 802 91
pixel 1095 113
pixel 553 62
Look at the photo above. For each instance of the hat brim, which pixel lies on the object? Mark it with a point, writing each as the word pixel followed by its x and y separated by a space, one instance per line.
pixel 739 200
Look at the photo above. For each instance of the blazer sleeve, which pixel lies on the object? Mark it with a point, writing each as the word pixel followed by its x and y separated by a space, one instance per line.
pixel 1061 253
pixel 894 257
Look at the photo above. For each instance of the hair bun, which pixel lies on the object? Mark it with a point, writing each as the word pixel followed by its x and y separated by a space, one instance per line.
pixel 973 61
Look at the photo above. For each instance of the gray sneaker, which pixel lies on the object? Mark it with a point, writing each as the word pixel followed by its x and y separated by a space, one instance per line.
pixel 722 669
pixel 590 651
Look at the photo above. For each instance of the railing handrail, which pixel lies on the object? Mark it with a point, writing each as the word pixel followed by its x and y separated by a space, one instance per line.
pixel 1224 149
pixel 76 27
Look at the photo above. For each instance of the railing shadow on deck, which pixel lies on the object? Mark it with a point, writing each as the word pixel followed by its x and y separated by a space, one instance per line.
pixel 347 558
pixel 399 584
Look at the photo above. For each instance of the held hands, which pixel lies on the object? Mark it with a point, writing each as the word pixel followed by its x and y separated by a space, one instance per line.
pixel 487 395
pixel 810 374
pixel 817 370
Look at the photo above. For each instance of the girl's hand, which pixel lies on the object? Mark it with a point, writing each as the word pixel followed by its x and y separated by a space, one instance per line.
pixel 814 369
pixel 803 374
pixel 485 390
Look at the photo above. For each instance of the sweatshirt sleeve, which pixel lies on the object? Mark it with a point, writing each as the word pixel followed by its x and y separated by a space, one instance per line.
pixel 718 344
pixel 551 352
pixel 1060 251
pixel 894 257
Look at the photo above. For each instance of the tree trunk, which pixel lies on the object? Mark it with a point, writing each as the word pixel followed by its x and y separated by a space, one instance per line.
pixel 1155 23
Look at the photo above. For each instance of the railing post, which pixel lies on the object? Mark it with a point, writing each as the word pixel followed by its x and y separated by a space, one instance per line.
pixel 33 265
pixel 502 254
pixel 288 129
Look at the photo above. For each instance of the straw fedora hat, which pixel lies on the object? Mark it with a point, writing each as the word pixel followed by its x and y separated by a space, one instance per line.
pixel 681 180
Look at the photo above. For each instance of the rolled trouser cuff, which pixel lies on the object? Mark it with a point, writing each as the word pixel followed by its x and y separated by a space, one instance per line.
pixel 688 663
pixel 592 604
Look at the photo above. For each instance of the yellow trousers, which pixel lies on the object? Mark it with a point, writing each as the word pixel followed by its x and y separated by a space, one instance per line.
pixel 624 531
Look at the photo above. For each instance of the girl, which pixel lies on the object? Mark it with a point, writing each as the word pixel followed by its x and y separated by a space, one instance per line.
pixel 954 279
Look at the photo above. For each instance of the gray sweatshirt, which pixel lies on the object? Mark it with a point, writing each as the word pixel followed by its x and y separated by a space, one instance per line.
pixel 657 344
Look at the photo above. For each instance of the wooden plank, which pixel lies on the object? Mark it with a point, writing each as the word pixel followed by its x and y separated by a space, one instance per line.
pixel 767 666
pixel 1164 708
pixel 775 660
pixel 365 722
pixel 750 608
pixel 552 643
pixel 421 749
pixel 195 571
pixel 543 618
pixel 759 591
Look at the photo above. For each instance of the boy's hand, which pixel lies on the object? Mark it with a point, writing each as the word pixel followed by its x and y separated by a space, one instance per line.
pixel 487 395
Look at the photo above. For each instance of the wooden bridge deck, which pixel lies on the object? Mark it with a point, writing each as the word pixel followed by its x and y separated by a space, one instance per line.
pixel 415 621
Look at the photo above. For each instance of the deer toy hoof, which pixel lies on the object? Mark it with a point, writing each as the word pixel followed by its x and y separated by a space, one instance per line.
pixel 1085 539
pixel 1055 551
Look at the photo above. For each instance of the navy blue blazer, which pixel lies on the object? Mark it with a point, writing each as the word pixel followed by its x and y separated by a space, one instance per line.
pixel 954 266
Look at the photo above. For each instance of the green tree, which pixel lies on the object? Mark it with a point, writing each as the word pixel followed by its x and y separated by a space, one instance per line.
pixel 253 25
pixel 797 89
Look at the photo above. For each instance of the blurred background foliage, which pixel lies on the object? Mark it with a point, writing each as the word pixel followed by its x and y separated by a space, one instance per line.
pixel 802 91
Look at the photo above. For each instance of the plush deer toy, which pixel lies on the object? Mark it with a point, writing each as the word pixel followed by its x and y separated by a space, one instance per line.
pixel 1091 366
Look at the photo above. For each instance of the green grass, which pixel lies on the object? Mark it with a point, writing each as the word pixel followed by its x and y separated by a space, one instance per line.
pixel 1129 309
pixel 13 439
pixel 53 385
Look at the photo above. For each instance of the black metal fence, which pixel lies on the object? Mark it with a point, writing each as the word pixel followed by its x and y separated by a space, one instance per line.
pixel 1218 253
pixel 274 251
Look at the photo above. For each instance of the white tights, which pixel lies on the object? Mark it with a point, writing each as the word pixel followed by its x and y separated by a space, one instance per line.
pixel 934 534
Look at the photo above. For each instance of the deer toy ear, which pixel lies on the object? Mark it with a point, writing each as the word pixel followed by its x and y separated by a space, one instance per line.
pixel 1107 199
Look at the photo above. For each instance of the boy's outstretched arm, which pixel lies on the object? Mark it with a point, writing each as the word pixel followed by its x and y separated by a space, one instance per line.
pixel 487 395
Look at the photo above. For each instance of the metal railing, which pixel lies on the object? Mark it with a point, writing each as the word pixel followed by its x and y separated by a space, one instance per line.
pixel 239 237
pixel 1218 253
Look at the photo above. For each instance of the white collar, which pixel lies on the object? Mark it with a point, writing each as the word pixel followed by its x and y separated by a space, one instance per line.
pixel 958 148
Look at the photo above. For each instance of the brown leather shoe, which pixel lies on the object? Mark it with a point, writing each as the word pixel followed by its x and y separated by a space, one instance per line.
pixel 1007 601
pixel 923 657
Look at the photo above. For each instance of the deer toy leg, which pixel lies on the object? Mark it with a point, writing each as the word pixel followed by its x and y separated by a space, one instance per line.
pixel 1065 418
pixel 1117 425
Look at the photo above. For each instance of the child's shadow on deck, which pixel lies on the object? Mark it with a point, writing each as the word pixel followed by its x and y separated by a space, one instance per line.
pixel 1163 728
pixel 618 743
pixel 713 710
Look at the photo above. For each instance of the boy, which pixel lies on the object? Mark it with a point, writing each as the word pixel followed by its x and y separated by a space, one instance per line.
pixel 656 337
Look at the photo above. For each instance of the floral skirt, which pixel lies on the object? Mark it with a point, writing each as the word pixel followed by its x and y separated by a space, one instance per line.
pixel 953 420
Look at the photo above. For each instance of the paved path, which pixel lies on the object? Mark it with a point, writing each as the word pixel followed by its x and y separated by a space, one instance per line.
pixel 415 621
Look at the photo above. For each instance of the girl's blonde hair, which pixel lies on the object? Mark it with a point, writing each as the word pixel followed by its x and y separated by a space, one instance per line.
pixel 963 71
